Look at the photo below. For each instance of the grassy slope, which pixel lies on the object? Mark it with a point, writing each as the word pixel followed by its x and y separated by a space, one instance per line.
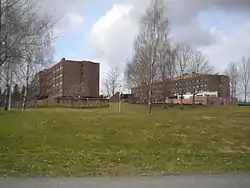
pixel 66 142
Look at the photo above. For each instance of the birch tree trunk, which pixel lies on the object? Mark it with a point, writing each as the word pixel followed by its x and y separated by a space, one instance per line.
pixel 24 99
pixel 26 85
pixel 150 89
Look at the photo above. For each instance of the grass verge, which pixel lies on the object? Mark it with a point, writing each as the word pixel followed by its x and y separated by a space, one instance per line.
pixel 101 142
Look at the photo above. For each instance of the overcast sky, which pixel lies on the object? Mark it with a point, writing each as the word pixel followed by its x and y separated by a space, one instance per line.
pixel 104 30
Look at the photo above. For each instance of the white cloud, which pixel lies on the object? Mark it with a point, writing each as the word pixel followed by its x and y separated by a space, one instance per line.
pixel 231 48
pixel 68 23
pixel 61 7
pixel 67 14
pixel 112 35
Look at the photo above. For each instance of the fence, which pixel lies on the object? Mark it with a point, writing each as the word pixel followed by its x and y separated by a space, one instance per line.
pixel 71 103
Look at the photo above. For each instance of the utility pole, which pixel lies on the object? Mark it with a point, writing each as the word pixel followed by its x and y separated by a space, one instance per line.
pixel 119 100
pixel 10 86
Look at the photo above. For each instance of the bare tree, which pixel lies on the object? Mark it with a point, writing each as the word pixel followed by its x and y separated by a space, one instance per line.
pixel 6 78
pixel 233 72
pixel 166 65
pixel 6 82
pixel 197 89
pixel 142 68
pixel 33 59
pixel 199 65
pixel 244 70
pixel 111 82
pixel 29 70
pixel 15 24
pixel 136 77
pixel 23 30
pixel 183 60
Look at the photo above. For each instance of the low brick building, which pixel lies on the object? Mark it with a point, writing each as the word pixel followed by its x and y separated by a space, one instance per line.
pixel 188 83
pixel 205 101
pixel 123 97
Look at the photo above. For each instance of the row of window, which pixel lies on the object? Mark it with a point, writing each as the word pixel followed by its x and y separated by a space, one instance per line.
pixel 179 86
pixel 55 92
pixel 189 84
pixel 198 102
pixel 58 76
pixel 190 87
pixel 58 69
pixel 57 84
pixel 54 87
pixel 191 81
pixel 206 95
pixel 55 77
pixel 186 82
pixel 158 90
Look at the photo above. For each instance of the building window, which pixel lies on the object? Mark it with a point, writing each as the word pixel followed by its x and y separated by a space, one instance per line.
pixel 60 68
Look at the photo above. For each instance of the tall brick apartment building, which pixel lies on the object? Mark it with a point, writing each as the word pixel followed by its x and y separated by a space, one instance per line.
pixel 188 83
pixel 68 78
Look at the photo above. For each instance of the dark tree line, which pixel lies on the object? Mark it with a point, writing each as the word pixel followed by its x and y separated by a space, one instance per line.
pixel 26 37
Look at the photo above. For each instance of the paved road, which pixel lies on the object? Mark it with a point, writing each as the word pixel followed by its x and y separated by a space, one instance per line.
pixel 189 181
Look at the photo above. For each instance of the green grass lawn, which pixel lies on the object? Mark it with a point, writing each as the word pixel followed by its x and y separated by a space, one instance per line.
pixel 99 142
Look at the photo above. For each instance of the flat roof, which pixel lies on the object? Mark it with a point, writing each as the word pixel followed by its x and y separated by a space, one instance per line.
pixel 69 60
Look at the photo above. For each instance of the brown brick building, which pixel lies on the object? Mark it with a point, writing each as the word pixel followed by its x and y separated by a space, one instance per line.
pixel 188 83
pixel 68 78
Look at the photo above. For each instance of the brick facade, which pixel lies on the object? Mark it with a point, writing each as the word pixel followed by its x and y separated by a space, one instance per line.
pixel 69 78
pixel 205 101
pixel 189 83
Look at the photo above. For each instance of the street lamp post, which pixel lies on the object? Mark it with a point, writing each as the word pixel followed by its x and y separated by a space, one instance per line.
pixel 119 102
